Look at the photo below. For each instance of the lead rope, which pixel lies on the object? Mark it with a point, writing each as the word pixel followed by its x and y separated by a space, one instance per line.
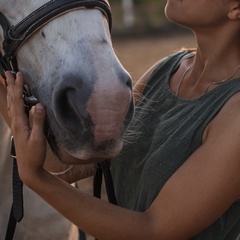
pixel 104 169
pixel 16 213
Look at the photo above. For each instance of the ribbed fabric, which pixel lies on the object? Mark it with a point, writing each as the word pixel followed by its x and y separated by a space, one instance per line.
pixel 165 131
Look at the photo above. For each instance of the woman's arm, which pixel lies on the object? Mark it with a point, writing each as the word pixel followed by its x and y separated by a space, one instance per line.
pixel 197 194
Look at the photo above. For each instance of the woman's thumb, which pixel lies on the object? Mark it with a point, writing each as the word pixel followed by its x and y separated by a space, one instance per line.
pixel 38 121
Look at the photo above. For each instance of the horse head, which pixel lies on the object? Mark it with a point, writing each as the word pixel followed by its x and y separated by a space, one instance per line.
pixel 70 66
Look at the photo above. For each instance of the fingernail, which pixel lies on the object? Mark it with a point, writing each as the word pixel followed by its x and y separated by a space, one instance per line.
pixel 39 108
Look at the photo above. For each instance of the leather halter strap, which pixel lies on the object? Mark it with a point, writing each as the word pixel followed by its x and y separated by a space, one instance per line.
pixel 15 36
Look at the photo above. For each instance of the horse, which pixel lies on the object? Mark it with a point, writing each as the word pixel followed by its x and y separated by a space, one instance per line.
pixel 64 50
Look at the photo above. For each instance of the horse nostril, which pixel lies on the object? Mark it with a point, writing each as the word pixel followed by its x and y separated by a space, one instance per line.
pixel 129 82
pixel 70 109
pixel 64 107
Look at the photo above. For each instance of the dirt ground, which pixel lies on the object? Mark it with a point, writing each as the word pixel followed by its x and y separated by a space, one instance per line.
pixel 138 55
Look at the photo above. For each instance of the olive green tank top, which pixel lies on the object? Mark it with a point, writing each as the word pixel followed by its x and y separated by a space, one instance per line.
pixel 165 131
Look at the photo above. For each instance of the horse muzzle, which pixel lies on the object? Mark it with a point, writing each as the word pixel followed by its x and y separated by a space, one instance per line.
pixel 90 117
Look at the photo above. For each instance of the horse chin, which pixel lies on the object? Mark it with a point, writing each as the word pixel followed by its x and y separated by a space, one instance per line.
pixel 99 146
pixel 79 158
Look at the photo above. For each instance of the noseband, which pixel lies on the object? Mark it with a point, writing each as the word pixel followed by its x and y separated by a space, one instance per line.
pixel 15 36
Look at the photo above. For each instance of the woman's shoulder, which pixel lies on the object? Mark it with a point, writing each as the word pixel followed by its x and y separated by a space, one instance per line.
pixel 141 83
pixel 172 60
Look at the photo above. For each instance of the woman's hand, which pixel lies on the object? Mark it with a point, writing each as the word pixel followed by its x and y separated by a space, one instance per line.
pixel 30 142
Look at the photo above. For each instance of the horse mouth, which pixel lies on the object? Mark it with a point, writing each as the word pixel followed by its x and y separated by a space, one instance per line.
pixel 85 146
pixel 105 150
pixel 87 121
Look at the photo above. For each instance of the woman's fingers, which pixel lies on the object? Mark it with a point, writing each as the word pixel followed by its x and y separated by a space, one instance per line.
pixel 15 104
pixel 36 143
pixel 15 93
pixel 30 141
pixel 10 80
pixel 38 118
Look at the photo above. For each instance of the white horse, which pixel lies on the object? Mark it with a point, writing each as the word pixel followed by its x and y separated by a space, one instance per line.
pixel 70 66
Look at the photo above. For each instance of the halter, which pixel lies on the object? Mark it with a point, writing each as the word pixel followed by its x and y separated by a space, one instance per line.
pixel 15 36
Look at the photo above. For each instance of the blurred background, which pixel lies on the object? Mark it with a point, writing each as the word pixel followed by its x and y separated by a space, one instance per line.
pixel 141 36
pixel 137 16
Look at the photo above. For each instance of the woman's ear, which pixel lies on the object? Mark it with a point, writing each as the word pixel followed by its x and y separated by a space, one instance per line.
pixel 234 13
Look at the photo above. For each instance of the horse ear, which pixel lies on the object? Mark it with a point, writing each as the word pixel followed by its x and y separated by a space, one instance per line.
pixel 234 12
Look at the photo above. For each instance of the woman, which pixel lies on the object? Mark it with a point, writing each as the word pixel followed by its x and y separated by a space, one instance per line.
pixel 179 177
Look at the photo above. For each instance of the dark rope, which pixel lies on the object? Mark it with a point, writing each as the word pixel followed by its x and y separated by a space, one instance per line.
pixel 104 169
pixel 16 213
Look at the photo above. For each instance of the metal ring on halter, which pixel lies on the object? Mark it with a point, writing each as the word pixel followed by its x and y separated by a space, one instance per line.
pixel 29 99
